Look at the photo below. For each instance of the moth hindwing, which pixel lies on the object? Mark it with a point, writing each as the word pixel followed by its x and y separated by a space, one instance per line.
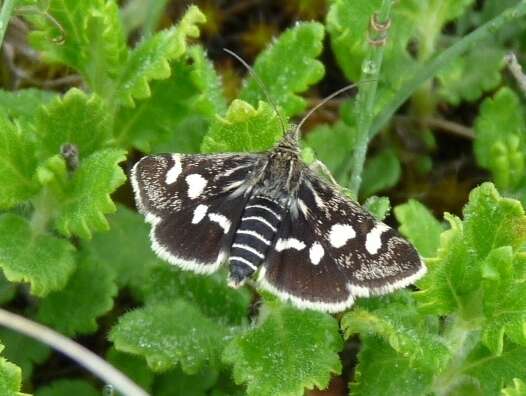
pixel 272 215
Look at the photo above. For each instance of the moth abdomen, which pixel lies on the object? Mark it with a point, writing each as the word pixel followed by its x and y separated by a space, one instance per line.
pixel 255 235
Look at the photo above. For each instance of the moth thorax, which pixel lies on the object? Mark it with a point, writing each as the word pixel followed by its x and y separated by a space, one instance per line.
pixel 254 236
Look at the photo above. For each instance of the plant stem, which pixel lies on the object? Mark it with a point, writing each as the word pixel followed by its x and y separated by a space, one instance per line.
pixel 430 69
pixel 5 15
pixel 77 352
pixel 371 66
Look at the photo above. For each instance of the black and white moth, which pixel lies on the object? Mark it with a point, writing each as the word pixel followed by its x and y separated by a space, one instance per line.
pixel 270 214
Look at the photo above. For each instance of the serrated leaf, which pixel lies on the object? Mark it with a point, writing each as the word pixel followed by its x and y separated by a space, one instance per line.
pixel 289 351
pixel 288 67
pixel 88 295
pixel 131 266
pixel 418 224
pixel 379 207
pixel 10 377
pixel 87 36
pixel 499 141
pixel 336 154
pixel 406 331
pixel 243 128
pixel 518 388
pixel 17 164
pixel 87 197
pixel 381 172
pixel 455 275
pixel 467 77
pixel 76 118
pixel 20 105
pixel 383 371
pixel 68 387
pixel 23 351
pixel 42 260
pixel 211 293
pixel 192 92
pixel 132 366
pixel 150 59
pixel 169 334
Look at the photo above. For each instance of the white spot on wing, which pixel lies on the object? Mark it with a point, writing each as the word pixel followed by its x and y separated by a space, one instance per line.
pixel 291 243
pixel 175 170
pixel 373 241
pixel 316 253
pixel 199 213
pixel 340 234
pixel 223 222
pixel 196 185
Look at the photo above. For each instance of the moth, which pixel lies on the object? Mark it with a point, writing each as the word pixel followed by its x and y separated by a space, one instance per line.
pixel 272 217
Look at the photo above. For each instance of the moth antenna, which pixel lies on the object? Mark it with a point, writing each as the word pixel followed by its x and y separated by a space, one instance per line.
pixel 261 85
pixel 325 100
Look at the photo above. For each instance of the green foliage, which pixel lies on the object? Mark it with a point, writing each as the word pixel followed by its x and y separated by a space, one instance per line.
pixel 288 67
pixel 68 229
pixel 304 345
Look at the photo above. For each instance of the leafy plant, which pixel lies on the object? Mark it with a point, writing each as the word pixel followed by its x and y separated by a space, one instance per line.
pixel 75 255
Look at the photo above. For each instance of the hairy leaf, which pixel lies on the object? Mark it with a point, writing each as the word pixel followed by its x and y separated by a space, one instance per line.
pixel 288 67
pixel 17 164
pixel 517 389
pixel 168 334
pixel 289 351
pixel 499 141
pixel 243 129
pixel 176 382
pixel 10 377
pixel 379 207
pixel 381 171
pixel 88 295
pixel 20 105
pixel 419 225
pixel 87 196
pixel 76 119
pixel 150 59
pixel 42 260
pixel 133 367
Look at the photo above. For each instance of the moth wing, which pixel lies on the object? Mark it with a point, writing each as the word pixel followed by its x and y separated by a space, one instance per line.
pixel 194 203
pixel 330 250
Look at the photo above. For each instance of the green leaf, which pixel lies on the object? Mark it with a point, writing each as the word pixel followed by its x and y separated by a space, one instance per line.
pixel 176 382
pixel 455 276
pixel 10 377
pixel 7 290
pixel 499 141
pixel 68 387
pixel 77 119
pixel 74 310
pixel 383 371
pixel 210 293
pixel 87 196
pixel 192 92
pixel 517 389
pixel 168 334
pixel 336 154
pixel 133 367
pixel 150 59
pixel 289 351
pixel 243 129
pixel 42 260
pixel 379 207
pixel 418 224
pixel 131 266
pixel 381 172
pixel 288 67
pixel 86 36
pixel 20 105
pixel 23 351
pixel 17 164
pixel 469 76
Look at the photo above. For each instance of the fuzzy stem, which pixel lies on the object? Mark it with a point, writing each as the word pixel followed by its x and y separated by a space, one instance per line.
pixel 371 66
pixel 5 15
pixel 77 352
pixel 430 69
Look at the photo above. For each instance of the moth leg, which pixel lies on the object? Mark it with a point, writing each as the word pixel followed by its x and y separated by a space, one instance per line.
pixel 320 168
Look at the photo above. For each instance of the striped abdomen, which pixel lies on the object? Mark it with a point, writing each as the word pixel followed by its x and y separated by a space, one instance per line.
pixel 254 236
